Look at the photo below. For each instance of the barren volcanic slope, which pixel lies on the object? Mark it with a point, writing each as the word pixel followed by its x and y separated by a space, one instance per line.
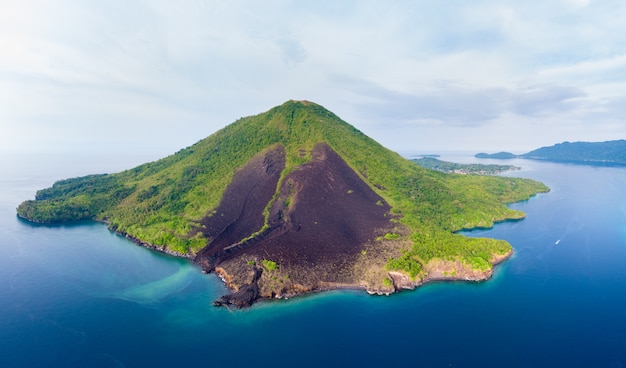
pixel 296 200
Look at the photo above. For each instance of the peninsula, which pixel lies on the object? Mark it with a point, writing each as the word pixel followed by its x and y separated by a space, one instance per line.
pixel 295 200
pixel 602 153
pixel 471 169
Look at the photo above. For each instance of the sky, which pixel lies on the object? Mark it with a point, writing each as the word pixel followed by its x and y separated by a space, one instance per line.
pixel 417 76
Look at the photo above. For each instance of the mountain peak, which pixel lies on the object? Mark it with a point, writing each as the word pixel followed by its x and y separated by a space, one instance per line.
pixel 303 102
pixel 294 200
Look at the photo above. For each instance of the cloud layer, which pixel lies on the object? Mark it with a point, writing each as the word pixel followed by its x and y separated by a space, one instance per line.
pixel 416 75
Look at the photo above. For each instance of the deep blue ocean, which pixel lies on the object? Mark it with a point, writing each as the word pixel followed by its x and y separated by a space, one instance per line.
pixel 80 296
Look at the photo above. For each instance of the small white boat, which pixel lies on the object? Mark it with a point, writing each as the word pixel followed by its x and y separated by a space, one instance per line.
pixel 557 242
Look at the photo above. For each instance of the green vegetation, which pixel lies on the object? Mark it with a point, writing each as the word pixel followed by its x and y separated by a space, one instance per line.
pixel 587 152
pixel 161 202
pixel 409 263
pixel 392 236
pixel 75 199
pixel 499 155
pixel 609 152
pixel 269 265
pixel 451 167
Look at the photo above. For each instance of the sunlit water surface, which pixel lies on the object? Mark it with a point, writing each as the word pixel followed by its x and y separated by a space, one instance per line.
pixel 80 296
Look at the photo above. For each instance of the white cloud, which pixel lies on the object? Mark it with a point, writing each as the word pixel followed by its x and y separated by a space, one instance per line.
pixel 81 72
pixel 589 72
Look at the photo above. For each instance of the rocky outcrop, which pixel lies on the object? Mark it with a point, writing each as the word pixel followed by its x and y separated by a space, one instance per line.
pixel 259 283
pixel 244 295
pixel 403 281
pixel 498 258
pixel 446 270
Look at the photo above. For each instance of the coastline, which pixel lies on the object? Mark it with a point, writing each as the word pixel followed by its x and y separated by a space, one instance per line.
pixel 139 242
pixel 438 270
pixel 245 295
pixel 447 271
pixel 162 249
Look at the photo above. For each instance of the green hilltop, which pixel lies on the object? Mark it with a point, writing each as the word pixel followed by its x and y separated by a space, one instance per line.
pixel 591 153
pixel 161 203
pixel 609 152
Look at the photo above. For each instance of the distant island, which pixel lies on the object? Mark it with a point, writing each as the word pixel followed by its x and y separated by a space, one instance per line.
pixel 499 155
pixel 451 167
pixel 605 153
pixel 295 200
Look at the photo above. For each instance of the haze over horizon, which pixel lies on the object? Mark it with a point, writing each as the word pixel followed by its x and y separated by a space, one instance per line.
pixel 416 76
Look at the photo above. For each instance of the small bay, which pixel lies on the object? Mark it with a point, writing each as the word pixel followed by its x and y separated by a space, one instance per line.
pixel 80 296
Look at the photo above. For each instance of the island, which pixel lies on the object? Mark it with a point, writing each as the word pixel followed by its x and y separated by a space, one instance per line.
pixel 471 169
pixel 295 200
pixel 595 153
pixel 499 155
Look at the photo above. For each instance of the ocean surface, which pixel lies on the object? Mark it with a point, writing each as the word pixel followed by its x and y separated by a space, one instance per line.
pixel 80 296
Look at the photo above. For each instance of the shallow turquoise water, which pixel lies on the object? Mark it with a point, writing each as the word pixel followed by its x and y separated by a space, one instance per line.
pixel 80 296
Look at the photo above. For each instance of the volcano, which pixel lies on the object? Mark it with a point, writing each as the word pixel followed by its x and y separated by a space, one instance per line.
pixel 296 200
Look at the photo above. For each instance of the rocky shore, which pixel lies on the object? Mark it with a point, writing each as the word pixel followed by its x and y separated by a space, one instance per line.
pixel 255 287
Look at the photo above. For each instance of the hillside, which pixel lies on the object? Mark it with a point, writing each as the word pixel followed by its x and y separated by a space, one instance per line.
pixel 603 153
pixel 499 155
pixel 585 152
pixel 295 200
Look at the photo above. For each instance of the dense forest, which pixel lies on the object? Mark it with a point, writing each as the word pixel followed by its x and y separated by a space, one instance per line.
pixel 593 152
pixel 161 203
pixel 609 152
